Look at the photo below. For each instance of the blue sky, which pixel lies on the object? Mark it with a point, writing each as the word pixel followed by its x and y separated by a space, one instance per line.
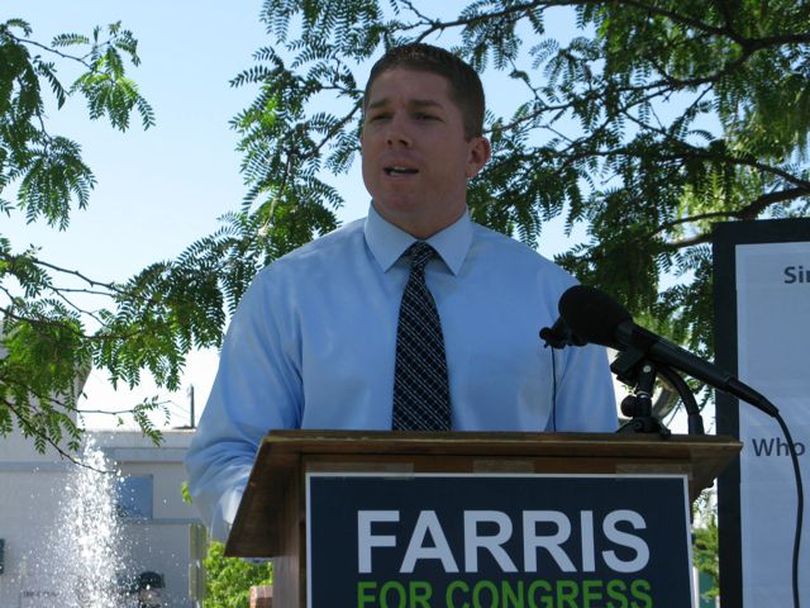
pixel 161 189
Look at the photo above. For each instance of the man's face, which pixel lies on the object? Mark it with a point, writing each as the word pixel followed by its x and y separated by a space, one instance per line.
pixel 416 160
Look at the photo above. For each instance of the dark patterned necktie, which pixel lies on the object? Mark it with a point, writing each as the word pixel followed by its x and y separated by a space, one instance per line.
pixel 421 394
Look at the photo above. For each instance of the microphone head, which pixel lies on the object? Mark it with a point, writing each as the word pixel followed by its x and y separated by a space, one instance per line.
pixel 592 314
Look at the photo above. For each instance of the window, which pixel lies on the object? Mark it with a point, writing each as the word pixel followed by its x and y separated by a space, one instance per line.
pixel 134 497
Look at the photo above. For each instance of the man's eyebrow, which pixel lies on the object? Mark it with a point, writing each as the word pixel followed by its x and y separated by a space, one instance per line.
pixel 425 103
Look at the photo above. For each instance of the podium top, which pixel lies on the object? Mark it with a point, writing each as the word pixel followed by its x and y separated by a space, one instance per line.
pixel 284 456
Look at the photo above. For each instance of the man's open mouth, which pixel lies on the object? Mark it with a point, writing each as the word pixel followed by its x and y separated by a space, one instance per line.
pixel 400 171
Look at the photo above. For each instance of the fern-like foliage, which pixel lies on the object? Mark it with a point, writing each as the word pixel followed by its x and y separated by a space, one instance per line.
pixel 46 348
pixel 655 120
pixel 49 167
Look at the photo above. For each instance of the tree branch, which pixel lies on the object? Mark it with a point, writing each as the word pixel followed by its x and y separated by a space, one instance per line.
pixel 749 212
pixel 440 26
pixel 698 239
pixel 92 282
pixel 32 430
pixel 49 49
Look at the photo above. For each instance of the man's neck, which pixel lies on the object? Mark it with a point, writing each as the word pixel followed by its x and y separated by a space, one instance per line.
pixel 421 228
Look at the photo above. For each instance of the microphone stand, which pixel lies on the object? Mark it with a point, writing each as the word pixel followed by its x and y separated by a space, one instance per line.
pixel 633 368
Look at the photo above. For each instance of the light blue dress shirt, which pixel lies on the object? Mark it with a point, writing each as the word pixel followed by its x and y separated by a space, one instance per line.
pixel 312 345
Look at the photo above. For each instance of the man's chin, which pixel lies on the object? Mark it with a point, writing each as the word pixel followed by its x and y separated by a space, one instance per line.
pixel 399 206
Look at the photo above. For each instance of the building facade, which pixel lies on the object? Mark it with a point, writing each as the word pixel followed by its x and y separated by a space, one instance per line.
pixel 55 514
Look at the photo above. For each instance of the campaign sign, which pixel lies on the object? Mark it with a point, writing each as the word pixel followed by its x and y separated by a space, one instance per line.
pixel 497 541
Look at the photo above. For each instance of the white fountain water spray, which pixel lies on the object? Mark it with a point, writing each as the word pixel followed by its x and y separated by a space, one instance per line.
pixel 84 560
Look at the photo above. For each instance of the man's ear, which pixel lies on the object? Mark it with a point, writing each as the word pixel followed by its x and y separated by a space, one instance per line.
pixel 479 154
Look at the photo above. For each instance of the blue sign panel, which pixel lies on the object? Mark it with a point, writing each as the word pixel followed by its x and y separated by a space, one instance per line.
pixel 511 541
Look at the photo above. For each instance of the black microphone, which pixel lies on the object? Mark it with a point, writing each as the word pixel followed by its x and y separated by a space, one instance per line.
pixel 596 317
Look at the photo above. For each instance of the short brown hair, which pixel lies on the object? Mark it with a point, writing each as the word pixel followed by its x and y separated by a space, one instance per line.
pixel 465 85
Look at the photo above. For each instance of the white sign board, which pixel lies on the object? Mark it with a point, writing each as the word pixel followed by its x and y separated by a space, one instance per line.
pixel 773 346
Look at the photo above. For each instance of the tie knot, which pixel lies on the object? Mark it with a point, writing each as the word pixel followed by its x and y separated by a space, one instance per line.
pixel 420 253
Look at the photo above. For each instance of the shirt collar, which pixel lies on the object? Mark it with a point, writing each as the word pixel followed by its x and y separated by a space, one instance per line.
pixel 387 242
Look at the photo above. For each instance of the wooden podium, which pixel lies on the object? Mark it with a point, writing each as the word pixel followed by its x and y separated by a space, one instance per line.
pixel 272 518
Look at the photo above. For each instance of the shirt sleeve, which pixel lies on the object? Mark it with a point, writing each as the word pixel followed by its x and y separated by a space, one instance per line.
pixel 257 388
pixel 585 400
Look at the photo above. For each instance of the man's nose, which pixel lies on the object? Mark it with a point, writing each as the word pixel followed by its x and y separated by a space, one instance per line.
pixel 398 133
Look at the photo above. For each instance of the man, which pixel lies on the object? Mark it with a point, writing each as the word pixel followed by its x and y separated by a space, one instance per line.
pixel 317 341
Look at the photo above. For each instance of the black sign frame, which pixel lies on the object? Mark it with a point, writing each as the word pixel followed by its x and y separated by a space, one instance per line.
pixel 725 238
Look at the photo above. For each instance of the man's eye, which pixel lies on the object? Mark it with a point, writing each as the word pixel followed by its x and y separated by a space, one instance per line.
pixel 423 116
